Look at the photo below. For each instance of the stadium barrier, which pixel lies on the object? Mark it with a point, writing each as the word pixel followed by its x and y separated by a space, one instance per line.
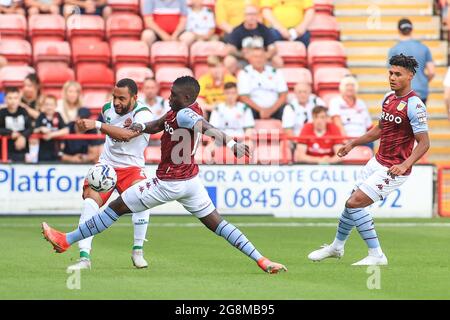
pixel 444 191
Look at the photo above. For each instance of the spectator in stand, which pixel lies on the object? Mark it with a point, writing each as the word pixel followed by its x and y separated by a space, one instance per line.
pixel 158 105
pixel 318 143
pixel 97 7
pixel 289 19
pixel 230 14
pixel 349 113
pixel 411 47
pixel 15 123
pixel 30 95
pixel 80 151
pixel 200 23
pixel 70 103
pixel 212 84
pixel 447 92
pixel 249 34
pixel 299 110
pixel 262 87
pixel 3 63
pixel 12 6
pixel 165 20
pixel 51 125
pixel 42 6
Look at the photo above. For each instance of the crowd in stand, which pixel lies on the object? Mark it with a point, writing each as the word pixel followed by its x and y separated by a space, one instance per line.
pixel 244 86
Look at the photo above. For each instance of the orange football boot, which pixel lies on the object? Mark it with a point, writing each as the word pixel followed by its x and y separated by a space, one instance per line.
pixel 55 237
pixel 270 267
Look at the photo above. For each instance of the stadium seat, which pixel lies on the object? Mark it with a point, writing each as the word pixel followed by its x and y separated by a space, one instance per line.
pixel 95 99
pixel 268 154
pixel 201 50
pixel 13 26
pixel 326 80
pixel 326 53
pixel 169 53
pixel 152 154
pixel 124 5
pixel 54 75
pixel 123 26
pixel 97 52
pixel 327 97
pixel 86 26
pixel 296 75
pixel 324 6
pixel 130 53
pixel 95 76
pixel 358 155
pixel 138 74
pixel 293 53
pixel 13 76
pixel 166 76
pixel 46 27
pixel 51 51
pixel 324 27
pixel 268 124
pixel 18 52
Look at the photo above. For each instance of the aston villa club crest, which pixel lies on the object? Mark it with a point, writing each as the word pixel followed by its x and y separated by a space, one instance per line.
pixel 401 105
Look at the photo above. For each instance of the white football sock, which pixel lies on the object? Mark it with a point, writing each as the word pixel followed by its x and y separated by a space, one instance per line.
pixel 140 224
pixel 90 209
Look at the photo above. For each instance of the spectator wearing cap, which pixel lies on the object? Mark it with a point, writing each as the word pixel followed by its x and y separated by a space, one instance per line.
pixel 12 6
pixel 411 47
pixel 212 84
pixel 289 19
pixel 157 104
pixel 319 141
pixel 200 23
pixel 262 87
pixel 94 7
pixel 164 19
pixel 80 151
pixel 250 33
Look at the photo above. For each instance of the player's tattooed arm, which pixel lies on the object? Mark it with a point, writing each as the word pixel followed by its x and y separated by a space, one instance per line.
pixel 151 127
pixel 423 144
pixel 117 133
pixel 370 136
pixel 239 149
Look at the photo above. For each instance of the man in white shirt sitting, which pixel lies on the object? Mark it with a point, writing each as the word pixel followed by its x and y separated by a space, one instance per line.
pixel 158 105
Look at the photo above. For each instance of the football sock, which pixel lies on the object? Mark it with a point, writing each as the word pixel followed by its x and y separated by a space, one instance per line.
pixel 365 226
pixel 344 229
pixel 90 208
pixel 237 239
pixel 96 224
pixel 140 223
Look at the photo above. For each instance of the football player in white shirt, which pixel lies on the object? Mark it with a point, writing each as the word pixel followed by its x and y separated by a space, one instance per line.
pixel 200 23
pixel 348 112
pixel 127 158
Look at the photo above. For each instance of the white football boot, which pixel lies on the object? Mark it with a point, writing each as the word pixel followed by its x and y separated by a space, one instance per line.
pixel 137 257
pixel 325 251
pixel 82 264
pixel 372 260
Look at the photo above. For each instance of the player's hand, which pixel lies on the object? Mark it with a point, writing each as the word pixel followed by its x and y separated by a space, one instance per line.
pixel 241 150
pixel 397 170
pixel 136 127
pixel 343 151
pixel 85 124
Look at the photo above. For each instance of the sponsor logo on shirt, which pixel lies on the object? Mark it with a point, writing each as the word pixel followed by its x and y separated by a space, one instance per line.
pixel 390 117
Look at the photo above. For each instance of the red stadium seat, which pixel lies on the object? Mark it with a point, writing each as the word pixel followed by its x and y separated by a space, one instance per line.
pixel 13 26
pixel 358 155
pixel 17 51
pixel 86 26
pixel 326 80
pixel 327 97
pixel 130 53
pixel 224 155
pixel 152 154
pixel 51 51
pixel 271 153
pixel 95 99
pixel 124 5
pixel 201 50
pixel 166 76
pixel 324 27
pixel 268 124
pixel 169 53
pixel 324 6
pixel 123 26
pixel 54 75
pixel 326 53
pixel 95 76
pixel 293 53
pixel 46 27
pixel 296 75
pixel 138 74
pixel 97 52
pixel 13 76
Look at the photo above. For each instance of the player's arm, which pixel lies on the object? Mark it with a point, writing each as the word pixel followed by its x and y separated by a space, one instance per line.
pixel 117 133
pixel 370 136
pixel 151 127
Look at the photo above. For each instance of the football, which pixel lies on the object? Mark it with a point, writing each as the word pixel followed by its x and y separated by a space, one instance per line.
pixel 102 178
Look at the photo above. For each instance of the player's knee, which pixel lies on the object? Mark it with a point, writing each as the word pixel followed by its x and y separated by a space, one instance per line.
pixel 352 203
pixel 94 195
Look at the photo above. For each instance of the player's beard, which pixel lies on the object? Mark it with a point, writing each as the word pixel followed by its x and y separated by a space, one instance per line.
pixel 126 109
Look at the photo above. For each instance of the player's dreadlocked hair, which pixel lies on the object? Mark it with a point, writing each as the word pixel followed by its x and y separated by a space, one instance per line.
pixel 189 84
pixel 407 62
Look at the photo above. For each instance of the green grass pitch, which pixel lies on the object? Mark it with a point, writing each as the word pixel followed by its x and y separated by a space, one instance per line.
pixel 189 262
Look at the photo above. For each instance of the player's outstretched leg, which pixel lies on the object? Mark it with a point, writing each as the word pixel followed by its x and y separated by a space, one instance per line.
pixel 237 239
pixel 98 223
pixel 140 223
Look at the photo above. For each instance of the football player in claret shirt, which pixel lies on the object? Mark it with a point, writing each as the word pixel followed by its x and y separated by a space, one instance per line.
pixel 176 176
pixel 403 121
